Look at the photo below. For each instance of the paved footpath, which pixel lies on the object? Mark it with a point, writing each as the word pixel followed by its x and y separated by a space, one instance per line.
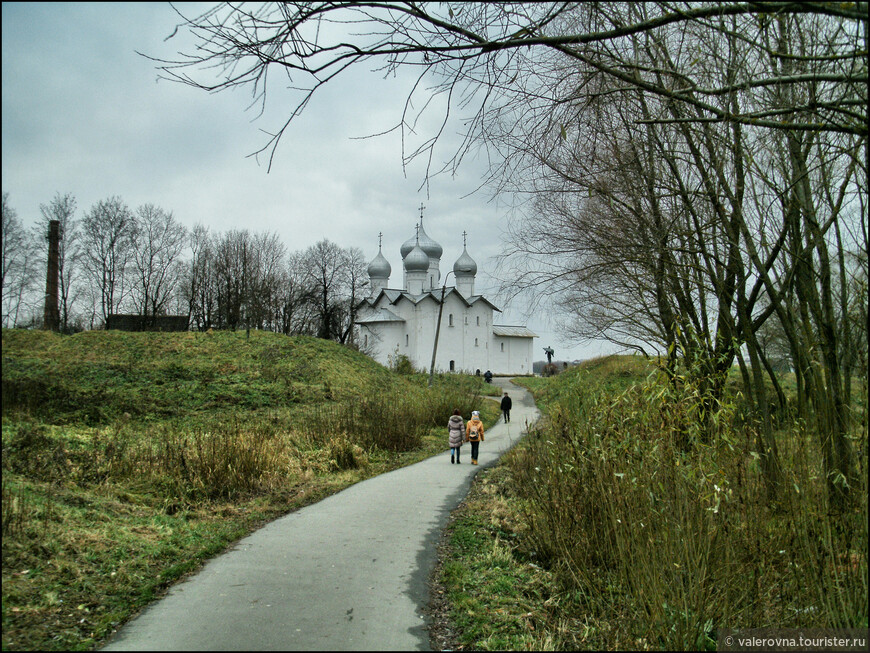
pixel 347 573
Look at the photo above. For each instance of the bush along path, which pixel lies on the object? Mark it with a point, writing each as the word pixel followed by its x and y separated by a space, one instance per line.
pixel 348 573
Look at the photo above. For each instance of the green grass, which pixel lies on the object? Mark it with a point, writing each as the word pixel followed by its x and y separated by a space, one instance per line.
pixel 129 459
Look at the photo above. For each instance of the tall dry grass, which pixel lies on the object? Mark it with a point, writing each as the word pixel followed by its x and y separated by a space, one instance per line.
pixel 240 457
pixel 673 539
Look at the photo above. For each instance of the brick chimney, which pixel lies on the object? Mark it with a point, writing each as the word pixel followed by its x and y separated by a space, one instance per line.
pixel 51 317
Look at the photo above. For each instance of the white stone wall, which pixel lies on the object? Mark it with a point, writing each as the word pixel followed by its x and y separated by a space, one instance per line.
pixel 511 355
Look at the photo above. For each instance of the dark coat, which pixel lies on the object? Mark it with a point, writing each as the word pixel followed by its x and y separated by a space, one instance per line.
pixel 506 403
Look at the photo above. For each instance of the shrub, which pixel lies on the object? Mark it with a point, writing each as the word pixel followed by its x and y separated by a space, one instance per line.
pixel 403 365
pixel 675 542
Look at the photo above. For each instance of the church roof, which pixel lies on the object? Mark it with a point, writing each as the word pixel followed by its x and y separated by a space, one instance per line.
pixel 380 314
pixel 479 298
pixel 512 331
pixel 394 296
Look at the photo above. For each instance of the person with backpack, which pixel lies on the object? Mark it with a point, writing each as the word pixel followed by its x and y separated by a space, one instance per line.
pixel 455 427
pixel 474 434
pixel 506 404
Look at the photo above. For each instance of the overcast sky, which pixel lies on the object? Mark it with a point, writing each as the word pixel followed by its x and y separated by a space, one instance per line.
pixel 84 113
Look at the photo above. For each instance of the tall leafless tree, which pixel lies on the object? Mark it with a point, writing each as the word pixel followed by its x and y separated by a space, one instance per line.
pixel 107 238
pixel 19 269
pixel 198 281
pixel 157 241
pixel 325 263
pixel 296 301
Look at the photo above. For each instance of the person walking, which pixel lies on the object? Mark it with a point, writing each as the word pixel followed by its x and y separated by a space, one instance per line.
pixel 506 404
pixel 474 434
pixel 455 428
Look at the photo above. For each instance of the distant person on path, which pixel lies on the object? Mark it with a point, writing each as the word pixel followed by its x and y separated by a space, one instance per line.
pixel 506 404
pixel 487 376
pixel 455 427
pixel 474 434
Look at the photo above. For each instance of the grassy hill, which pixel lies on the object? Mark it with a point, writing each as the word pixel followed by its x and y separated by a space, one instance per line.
pixel 96 376
pixel 131 458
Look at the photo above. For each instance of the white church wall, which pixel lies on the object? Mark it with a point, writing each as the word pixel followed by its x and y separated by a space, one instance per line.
pixel 466 335
pixel 512 355
pixel 388 342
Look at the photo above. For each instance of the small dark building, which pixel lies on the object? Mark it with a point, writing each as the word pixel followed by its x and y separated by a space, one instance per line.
pixel 122 322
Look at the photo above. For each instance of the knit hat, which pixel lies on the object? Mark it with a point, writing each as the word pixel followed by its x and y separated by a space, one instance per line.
pixel 475 413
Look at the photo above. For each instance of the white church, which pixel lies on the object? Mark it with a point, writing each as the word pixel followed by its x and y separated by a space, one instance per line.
pixel 396 321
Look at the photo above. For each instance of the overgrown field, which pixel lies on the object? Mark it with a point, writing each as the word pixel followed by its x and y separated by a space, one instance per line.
pixel 131 458
pixel 619 525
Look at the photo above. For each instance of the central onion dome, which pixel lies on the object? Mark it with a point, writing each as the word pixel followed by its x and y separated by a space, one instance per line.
pixel 380 267
pixel 429 246
pixel 432 249
pixel 465 265
pixel 416 260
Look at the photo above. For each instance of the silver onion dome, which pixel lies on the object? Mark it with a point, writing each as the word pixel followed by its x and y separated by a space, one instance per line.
pixel 408 245
pixel 465 265
pixel 432 248
pixel 416 260
pixel 380 267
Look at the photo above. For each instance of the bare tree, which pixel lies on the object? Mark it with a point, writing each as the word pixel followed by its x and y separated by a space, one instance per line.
pixel 355 280
pixel 232 275
pixel 107 236
pixel 266 278
pixel 158 241
pixel 650 233
pixel 19 269
pixel 198 281
pixel 479 48
pixel 296 300
pixel 325 263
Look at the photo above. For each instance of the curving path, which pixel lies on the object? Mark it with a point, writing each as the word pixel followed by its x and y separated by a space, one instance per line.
pixel 347 573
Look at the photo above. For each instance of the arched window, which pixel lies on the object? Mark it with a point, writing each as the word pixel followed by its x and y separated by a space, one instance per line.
pixel 450 319
pixel 502 346
pixel 452 366
pixel 366 341
pixel 475 342
pixel 478 320
pixel 406 339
